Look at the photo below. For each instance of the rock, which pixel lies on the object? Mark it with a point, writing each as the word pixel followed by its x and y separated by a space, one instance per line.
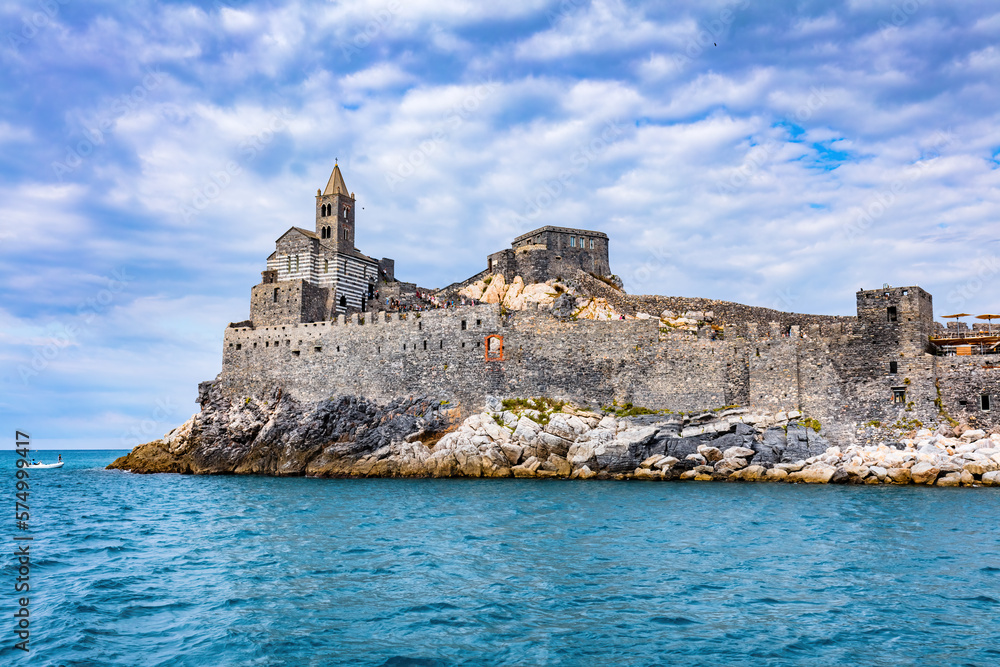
pixel 776 474
pixel 951 479
pixel 710 453
pixel 991 478
pixel 583 473
pixel 727 466
pixel 975 468
pixel 690 474
pixel 791 467
pixel 652 461
pixel 899 475
pixel 703 477
pixel 772 449
pixel 977 434
pixel 739 453
pixel 554 443
pixel 750 473
pixel 562 466
pixel 698 458
pixel 647 474
pixel 924 473
pixel 967 478
pixel 682 447
pixel 666 462
pixel 879 472
pixel 815 474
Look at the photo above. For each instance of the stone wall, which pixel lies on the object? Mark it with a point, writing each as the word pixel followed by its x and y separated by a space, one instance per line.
pixel 839 375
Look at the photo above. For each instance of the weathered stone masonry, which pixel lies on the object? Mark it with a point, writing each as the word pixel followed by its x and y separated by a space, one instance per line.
pixel 843 371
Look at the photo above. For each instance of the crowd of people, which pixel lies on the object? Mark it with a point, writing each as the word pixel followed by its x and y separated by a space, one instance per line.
pixel 427 302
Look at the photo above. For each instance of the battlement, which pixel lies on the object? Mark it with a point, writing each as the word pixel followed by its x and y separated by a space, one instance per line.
pixel 310 335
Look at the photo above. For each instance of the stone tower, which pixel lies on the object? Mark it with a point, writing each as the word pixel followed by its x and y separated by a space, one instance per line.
pixel 335 213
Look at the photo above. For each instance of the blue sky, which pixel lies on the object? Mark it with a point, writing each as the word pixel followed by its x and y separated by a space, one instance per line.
pixel 780 154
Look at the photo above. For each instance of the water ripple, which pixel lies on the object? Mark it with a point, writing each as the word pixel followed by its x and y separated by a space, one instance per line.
pixel 175 570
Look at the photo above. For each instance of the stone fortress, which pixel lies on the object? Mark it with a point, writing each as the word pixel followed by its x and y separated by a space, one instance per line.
pixel 319 327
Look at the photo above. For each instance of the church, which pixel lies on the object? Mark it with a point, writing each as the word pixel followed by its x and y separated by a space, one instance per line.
pixel 316 275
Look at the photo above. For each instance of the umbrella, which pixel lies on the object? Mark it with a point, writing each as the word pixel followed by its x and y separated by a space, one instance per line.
pixel 990 317
pixel 956 316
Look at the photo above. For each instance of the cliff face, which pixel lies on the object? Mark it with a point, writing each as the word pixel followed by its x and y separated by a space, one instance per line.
pixel 545 438
pixel 280 436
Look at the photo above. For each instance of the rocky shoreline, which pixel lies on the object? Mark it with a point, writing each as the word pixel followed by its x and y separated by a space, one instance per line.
pixel 540 438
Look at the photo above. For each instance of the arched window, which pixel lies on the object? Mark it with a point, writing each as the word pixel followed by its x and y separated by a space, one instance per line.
pixel 296 263
pixel 289 264
pixel 343 301
pixel 326 266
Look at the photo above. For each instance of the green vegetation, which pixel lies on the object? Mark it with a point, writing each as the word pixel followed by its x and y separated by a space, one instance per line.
pixel 874 423
pixel 908 424
pixel 544 406
pixel 939 402
pixel 487 280
pixel 629 410
pixel 809 422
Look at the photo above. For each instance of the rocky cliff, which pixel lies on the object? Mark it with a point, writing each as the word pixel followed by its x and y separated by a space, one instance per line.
pixel 423 437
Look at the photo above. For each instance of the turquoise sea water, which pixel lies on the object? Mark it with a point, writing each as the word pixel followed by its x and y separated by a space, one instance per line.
pixel 174 570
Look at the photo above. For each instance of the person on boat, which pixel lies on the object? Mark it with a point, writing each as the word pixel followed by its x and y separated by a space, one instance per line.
pixel 60 458
pixel 33 462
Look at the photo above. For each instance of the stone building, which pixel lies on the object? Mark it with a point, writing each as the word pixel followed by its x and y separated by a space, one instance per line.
pixel 551 252
pixel 308 335
pixel 315 275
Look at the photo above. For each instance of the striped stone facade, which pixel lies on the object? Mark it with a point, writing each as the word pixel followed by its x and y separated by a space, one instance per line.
pixel 317 275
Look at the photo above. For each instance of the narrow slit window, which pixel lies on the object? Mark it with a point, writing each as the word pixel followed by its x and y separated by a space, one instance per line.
pixel 893 367
pixel 276 295
pixel 985 402
pixel 463 325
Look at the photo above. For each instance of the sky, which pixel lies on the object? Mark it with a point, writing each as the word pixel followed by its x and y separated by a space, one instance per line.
pixel 781 154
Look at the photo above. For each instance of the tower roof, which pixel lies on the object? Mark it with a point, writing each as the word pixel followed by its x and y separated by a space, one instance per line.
pixel 336 184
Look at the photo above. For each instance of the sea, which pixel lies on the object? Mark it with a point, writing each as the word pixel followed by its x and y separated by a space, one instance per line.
pixel 233 570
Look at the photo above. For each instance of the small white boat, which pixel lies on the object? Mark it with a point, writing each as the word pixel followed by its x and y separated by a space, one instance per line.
pixel 36 466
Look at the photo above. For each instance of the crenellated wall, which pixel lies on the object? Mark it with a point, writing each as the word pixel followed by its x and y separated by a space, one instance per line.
pixel 837 372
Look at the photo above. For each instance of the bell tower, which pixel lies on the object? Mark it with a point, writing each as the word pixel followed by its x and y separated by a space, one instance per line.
pixel 335 213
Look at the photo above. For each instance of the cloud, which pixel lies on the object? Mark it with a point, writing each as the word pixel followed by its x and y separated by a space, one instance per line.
pixel 815 150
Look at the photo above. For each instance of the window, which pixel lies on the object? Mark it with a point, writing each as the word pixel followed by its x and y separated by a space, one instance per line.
pixel 591 244
pixel 239 346
pixel 479 323
pixel 984 402
pixel 899 394
pixel 296 263
pixel 343 301
pixel 905 292
pixel 318 348
pixel 572 242
pixel 289 258
pixel 425 345
pixel 893 367
pixel 276 295
pixel 891 312
pixel 326 266
pixel 463 325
